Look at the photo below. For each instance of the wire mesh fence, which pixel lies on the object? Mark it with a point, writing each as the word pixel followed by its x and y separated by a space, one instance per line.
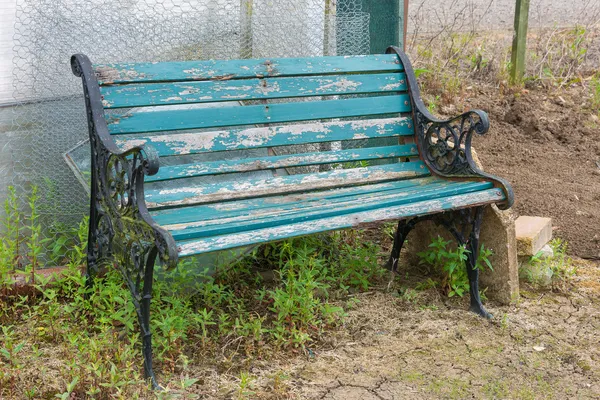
pixel 48 118
pixel 45 126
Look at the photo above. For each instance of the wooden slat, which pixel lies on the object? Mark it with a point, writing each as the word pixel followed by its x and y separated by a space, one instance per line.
pixel 170 120
pixel 240 69
pixel 254 206
pixel 244 188
pixel 228 241
pixel 221 224
pixel 291 160
pixel 252 89
pixel 202 142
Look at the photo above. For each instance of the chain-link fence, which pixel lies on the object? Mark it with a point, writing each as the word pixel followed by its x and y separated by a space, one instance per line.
pixel 40 131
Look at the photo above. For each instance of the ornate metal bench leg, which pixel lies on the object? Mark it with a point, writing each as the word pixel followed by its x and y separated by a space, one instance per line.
pixel 464 218
pixel 144 318
pixel 472 272
pixel 402 231
pixel 138 272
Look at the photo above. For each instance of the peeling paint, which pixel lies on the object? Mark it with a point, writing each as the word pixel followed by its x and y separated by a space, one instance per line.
pixel 203 245
pixel 191 143
pixel 340 86
pixel 261 187
pixel 175 98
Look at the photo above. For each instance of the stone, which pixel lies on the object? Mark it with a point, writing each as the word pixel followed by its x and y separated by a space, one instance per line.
pixel 537 272
pixel 497 234
pixel 546 252
pixel 532 234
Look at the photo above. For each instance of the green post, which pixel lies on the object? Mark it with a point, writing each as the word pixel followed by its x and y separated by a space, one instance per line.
pixel 387 23
pixel 519 41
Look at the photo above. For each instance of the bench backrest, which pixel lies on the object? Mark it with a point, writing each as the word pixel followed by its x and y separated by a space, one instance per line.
pixel 295 113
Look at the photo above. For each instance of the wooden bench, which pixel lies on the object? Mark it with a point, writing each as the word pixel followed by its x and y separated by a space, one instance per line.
pixel 291 161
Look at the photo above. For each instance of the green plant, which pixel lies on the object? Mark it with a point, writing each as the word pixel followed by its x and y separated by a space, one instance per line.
pixel 244 386
pixel 408 295
pixel 451 263
pixel 555 271
pixel 432 105
pixel 34 243
pixel 9 240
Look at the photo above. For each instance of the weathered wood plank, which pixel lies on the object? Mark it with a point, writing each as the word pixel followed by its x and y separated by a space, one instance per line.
pixel 228 190
pixel 171 120
pixel 222 225
pixel 298 201
pixel 239 69
pixel 236 139
pixel 251 89
pixel 222 242
pixel 291 160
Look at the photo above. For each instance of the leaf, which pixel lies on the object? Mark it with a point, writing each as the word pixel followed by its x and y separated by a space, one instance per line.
pixel 186 383
pixel 421 71
pixel 5 353
pixel 71 386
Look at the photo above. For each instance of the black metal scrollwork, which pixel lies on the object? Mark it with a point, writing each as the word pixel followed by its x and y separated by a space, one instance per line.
pixel 121 231
pixel 445 145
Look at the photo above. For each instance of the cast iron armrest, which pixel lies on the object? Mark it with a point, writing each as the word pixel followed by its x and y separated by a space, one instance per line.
pixel 445 145
pixel 120 224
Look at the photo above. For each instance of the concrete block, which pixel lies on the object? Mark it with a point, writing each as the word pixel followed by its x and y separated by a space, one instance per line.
pixel 533 233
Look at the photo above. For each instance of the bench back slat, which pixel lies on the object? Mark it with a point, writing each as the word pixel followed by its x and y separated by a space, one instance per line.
pixel 243 69
pixel 181 144
pixel 291 160
pixel 182 119
pixel 157 94
pixel 246 188
pixel 261 120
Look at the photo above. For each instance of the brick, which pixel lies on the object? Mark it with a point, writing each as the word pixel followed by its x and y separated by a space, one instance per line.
pixel 533 233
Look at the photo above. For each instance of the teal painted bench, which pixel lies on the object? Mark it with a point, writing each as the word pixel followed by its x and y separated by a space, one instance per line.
pixel 292 160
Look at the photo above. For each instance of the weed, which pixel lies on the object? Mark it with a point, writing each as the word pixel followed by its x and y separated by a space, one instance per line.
pixel 555 271
pixel 408 295
pixel 9 241
pixel 451 263
pixel 245 384
pixel 237 308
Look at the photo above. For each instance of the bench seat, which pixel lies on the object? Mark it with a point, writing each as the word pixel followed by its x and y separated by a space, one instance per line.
pixel 229 224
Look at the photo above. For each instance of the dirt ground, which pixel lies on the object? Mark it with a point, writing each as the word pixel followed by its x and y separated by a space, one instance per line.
pixel 548 147
pixel 429 347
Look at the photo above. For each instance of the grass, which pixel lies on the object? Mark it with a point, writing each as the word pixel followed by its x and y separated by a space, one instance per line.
pixel 556 58
pixel 64 339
